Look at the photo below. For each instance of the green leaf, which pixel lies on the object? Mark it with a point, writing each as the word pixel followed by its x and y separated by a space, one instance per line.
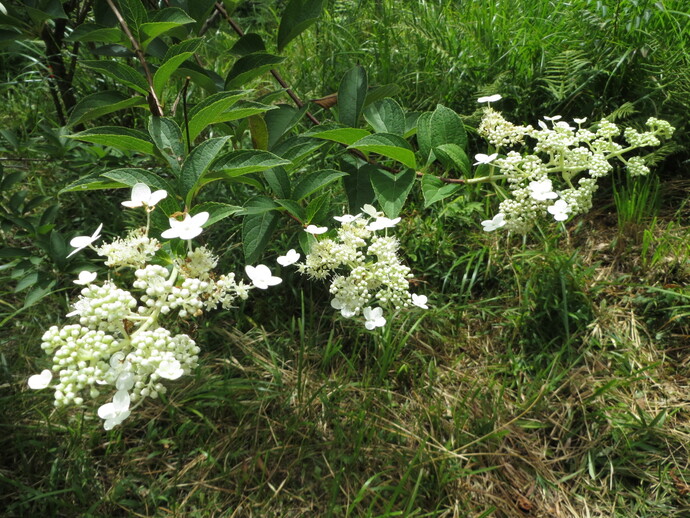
pixel 258 132
pixel 347 136
pixel 174 57
pixel 386 116
pixel 298 16
pixel 196 165
pixel 118 137
pixel 133 12
pixel 294 208
pixel 208 110
pixel 26 281
pixel 163 21
pixel 281 120
pixel 167 136
pixel 258 205
pixel 91 32
pixel 315 181
pixel 358 187
pixel 58 249
pixel 216 211
pixel 256 234
pixel 206 79
pixel 446 127
pixel 295 149
pixel 38 292
pixel 245 161
pixel 279 181
pixel 391 146
pixel 103 103
pixel 351 95
pixel 248 67
pixel 50 9
pixel 453 157
pixel 120 72
pixel 435 190
pixel 250 43
pixel 392 189
pixel 8 253
pixel 92 182
pixel 318 208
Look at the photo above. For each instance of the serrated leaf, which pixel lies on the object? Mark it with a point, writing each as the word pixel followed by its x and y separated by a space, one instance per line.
pixel 446 127
pixel 120 72
pixel 298 16
pixel 392 189
pixel 318 208
pixel 314 182
pixel 174 57
pixel 347 136
pixel 216 211
pixel 256 234
pixel 281 120
pixel 386 116
pixel 209 111
pixel 453 157
pixel 258 132
pixel 164 20
pixel 294 208
pixel 196 165
pixel 91 32
pixel 118 137
pixel 358 187
pixel 206 79
pixel 279 181
pixel 245 161
pixel 296 149
pixel 250 43
pixel 351 95
pixel 248 67
pixel 435 190
pixel 388 145
pixel 133 12
pixel 167 137
pixel 258 205
pixel 103 103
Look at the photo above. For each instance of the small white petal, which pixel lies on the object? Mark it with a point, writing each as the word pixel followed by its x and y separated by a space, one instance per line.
pixel 85 277
pixel 40 381
pixel 420 301
pixel 313 229
pixel 291 257
pixel 481 158
pixel 490 98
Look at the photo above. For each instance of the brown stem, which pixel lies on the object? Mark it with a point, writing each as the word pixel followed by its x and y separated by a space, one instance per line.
pixel 154 103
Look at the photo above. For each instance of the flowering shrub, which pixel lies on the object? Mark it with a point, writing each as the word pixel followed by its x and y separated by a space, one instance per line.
pixel 119 345
pixel 560 174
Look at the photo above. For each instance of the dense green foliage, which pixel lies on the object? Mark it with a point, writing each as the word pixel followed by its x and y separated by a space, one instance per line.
pixel 549 377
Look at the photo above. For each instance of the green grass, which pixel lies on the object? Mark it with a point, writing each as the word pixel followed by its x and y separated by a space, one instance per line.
pixel 549 377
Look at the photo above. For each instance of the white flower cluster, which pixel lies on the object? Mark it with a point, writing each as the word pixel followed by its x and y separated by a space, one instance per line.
pixel 544 182
pixel 364 267
pixel 119 343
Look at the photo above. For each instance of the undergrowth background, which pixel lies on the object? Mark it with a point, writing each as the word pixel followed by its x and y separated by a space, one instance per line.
pixel 550 377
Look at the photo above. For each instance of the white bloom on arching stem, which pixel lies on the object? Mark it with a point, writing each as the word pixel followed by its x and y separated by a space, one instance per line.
pixel 560 210
pixel 481 158
pixel 346 218
pixel 188 228
pixel 170 369
pixel 117 411
pixel 496 222
pixel 40 381
pixel 81 242
pixel 542 190
pixel 314 230
pixel 554 118
pixel 291 257
pixel 85 277
pixel 143 197
pixel 261 276
pixel 580 121
pixel 490 98
pixel 371 211
pixel 420 301
pixel 373 318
